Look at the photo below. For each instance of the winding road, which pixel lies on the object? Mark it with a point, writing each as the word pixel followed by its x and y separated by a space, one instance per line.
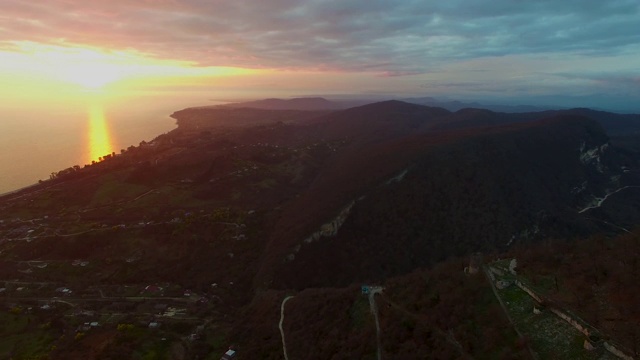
pixel 602 200
pixel 284 346
pixel 374 311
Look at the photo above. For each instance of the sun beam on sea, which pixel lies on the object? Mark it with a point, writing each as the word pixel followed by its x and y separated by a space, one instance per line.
pixel 99 138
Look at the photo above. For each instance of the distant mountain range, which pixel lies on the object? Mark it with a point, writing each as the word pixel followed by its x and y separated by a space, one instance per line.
pixel 320 103
pixel 302 103
pixel 454 105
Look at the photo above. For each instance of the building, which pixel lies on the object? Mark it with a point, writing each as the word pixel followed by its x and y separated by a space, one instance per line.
pixel 229 355
pixel 475 262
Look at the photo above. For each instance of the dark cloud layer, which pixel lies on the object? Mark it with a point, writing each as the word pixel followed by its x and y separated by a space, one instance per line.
pixel 392 37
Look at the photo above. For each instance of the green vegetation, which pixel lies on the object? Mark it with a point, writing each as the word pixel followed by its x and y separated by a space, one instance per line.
pixel 360 314
pixel 22 336
pixel 218 343
pixel 547 334
pixel 114 189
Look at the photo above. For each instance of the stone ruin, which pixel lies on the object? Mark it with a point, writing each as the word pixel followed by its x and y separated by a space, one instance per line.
pixel 475 261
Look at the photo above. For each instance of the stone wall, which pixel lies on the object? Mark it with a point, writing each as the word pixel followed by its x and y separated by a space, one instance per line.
pixel 529 291
pixel 570 320
pixel 574 321
pixel 612 349
pixel 577 323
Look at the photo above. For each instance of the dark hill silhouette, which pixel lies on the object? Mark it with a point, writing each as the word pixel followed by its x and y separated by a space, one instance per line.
pixel 382 120
pixel 208 118
pixel 303 103
pixel 455 105
pixel 614 124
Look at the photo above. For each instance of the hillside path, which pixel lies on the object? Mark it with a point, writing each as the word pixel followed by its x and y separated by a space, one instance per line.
pixel 284 346
pixel 599 201
pixel 374 311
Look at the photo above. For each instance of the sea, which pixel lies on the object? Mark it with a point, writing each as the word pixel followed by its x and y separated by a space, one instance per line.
pixel 38 139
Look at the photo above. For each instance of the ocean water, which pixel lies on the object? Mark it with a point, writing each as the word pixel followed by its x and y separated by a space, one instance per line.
pixel 37 139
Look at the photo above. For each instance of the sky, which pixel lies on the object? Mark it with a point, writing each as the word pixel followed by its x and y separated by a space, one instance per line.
pixel 538 52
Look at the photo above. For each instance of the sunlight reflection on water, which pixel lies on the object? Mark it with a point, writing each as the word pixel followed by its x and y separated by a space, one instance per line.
pixel 80 131
pixel 99 136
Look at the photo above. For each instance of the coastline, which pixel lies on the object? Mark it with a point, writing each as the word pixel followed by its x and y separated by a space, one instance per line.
pixel 30 184
pixel 11 192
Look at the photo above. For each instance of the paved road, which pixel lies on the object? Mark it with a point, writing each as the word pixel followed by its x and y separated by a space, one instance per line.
pixel 284 346
pixel 374 311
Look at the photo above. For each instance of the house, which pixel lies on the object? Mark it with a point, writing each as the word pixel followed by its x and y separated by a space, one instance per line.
pixel 152 289
pixel 80 312
pixel 474 264
pixel 229 355
pixel 87 326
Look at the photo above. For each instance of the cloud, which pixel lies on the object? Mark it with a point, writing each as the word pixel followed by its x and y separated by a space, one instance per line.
pixel 392 37
pixel 614 83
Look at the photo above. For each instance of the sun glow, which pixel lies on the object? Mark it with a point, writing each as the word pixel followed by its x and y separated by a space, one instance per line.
pixel 92 75
pixel 92 68
pixel 99 137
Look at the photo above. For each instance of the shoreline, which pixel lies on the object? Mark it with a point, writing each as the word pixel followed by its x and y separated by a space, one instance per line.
pixel 133 118
pixel 11 192
pixel 35 184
